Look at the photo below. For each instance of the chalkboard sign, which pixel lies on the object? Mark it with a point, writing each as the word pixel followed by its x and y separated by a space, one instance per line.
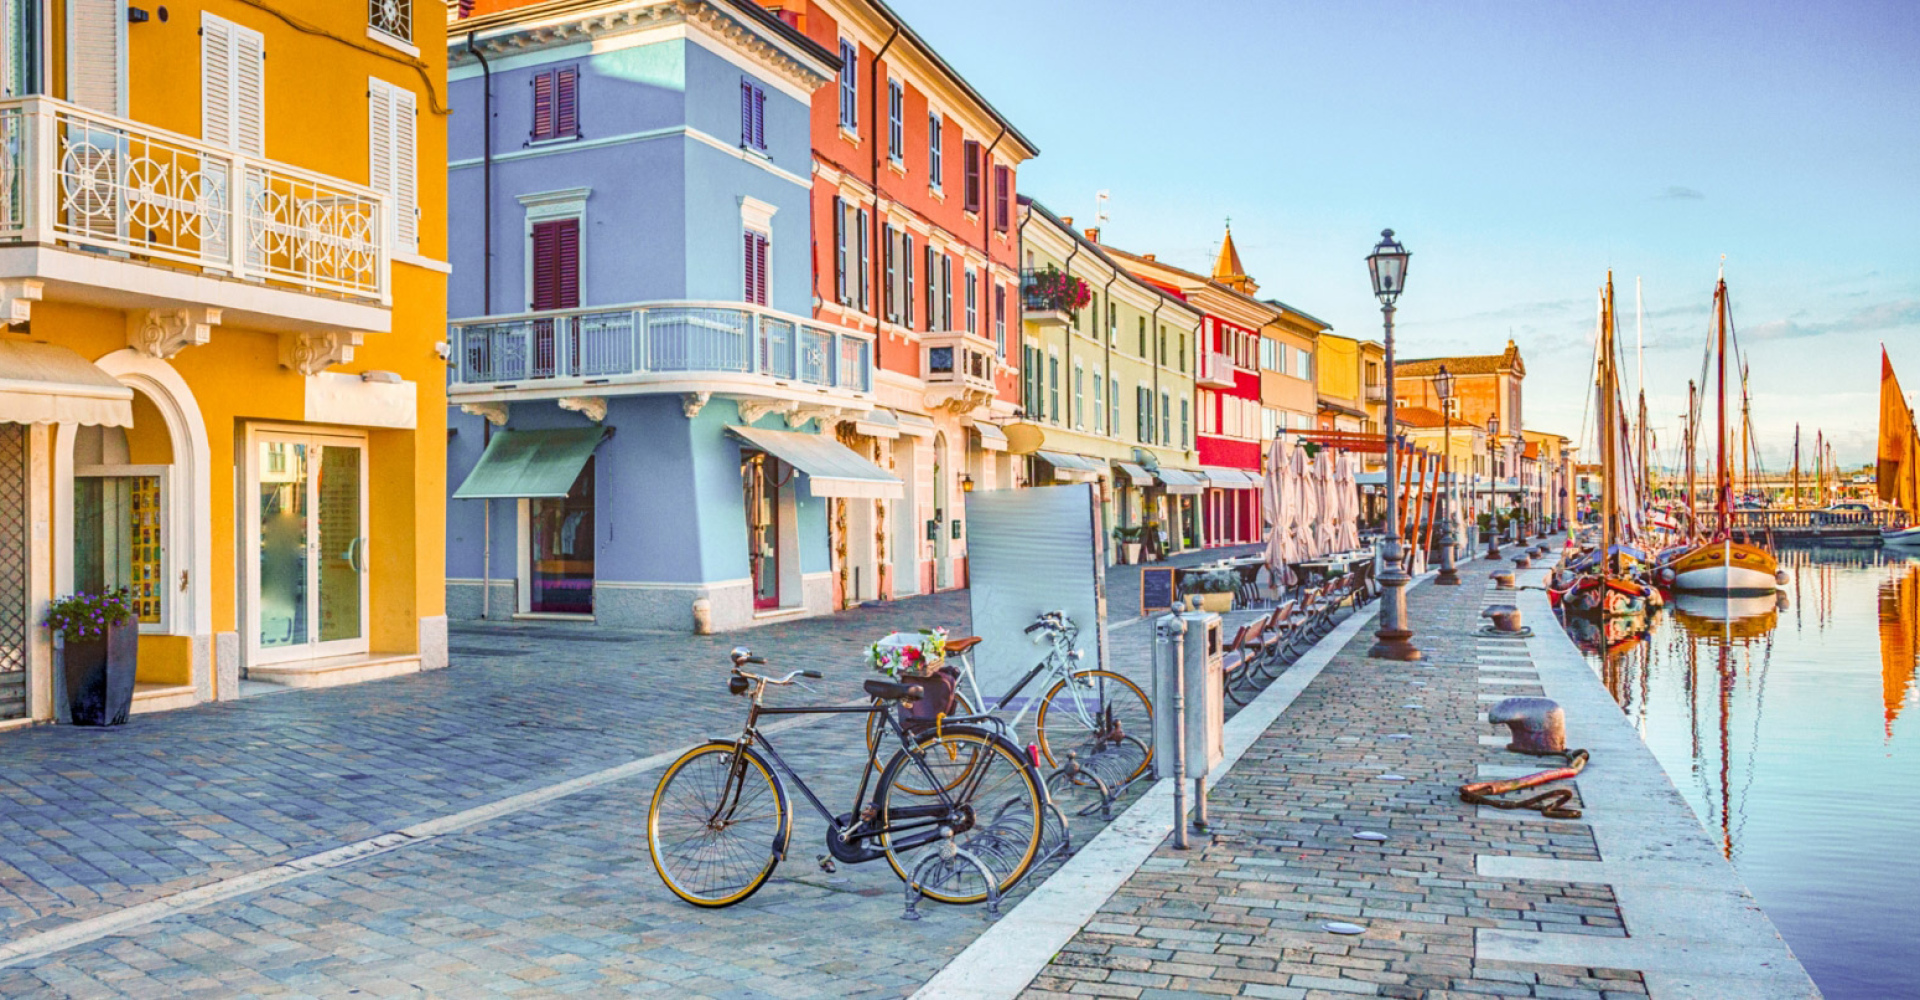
pixel 1156 590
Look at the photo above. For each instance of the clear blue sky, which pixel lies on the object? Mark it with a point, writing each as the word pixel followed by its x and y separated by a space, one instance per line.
pixel 1520 150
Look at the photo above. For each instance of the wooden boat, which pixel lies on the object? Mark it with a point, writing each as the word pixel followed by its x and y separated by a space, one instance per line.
pixel 1897 465
pixel 1722 564
pixel 1605 586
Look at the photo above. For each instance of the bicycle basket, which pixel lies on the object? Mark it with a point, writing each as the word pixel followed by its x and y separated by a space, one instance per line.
pixel 937 699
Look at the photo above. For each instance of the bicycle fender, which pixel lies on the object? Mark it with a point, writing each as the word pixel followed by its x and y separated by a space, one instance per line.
pixel 782 838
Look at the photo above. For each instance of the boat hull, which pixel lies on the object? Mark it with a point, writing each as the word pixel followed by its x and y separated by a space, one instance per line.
pixel 1905 537
pixel 1726 568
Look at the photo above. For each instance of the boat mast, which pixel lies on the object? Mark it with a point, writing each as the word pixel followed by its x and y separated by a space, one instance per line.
pixel 1819 469
pixel 1693 418
pixel 1640 360
pixel 1723 486
pixel 1746 432
pixel 1796 466
pixel 1609 432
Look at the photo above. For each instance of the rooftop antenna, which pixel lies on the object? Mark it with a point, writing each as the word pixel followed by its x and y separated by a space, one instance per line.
pixel 1100 199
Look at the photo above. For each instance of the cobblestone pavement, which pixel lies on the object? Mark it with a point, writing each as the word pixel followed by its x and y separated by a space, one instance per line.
pixel 555 899
pixel 1369 746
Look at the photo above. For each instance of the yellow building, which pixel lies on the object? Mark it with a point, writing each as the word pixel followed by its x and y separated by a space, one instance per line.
pixel 221 249
pixel 1287 346
pixel 1337 382
pixel 1107 389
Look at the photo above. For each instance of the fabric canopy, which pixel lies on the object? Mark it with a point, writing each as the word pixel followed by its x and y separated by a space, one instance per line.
pixel 1139 475
pixel 992 438
pixel 1229 479
pixel 50 384
pixel 536 464
pixel 832 468
pixel 915 424
pixel 1179 481
pixel 1062 461
pixel 878 423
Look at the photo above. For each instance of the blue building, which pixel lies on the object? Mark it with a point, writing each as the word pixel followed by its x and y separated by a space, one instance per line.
pixel 645 413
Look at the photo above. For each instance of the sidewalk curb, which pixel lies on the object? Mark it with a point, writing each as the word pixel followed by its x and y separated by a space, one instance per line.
pixel 1001 962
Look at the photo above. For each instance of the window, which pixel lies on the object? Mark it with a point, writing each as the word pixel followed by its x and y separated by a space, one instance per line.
pixel 933 281
pixel 1113 321
pixel 556 264
pixel 933 150
pixel 840 251
pixel 392 17
pixel 1113 404
pixel 973 296
pixel 1166 419
pixel 753 115
pixel 1302 363
pixel 1079 397
pixel 849 86
pixel 888 296
pixel 1143 337
pixel 556 104
pixel 1183 351
pixel 906 279
pixel 1053 388
pixel 1000 323
pixel 390 114
pixel 1099 404
pixel 972 157
pixel 1184 439
pixel 865 277
pixel 946 293
pixel 232 85
pixel 1002 198
pixel 1161 348
pixel 755 270
pixel 1451 407
pixel 896 121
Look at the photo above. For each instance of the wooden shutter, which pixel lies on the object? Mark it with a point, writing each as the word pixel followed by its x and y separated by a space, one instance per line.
pixel 906 279
pixel 556 264
pixel 839 251
pixel 746 113
pixel 973 176
pixel 566 102
pixel 1002 200
pixel 755 265
pixel 542 106
pixel 216 80
pixel 392 151
pixel 97 55
pixel 866 261
pixel 888 297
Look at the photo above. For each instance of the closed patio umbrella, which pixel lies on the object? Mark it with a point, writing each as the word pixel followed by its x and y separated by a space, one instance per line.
pixel 1274 504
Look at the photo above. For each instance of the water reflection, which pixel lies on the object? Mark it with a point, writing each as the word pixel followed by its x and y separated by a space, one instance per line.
pixel 1780 719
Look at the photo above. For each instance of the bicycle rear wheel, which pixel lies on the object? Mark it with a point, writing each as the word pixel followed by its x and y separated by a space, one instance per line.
pixel 990 800
pixel 716 825
pixel 1091 711
pixel 876 729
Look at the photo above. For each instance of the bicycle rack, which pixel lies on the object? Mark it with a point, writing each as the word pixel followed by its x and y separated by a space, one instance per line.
pixel 945 863
pixel 996 845
pixel 1109 771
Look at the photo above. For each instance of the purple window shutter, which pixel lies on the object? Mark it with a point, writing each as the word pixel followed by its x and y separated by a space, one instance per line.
pixel 566 101
pixel 746 113
pixel 556 264
pixel 749 280
pixel 759 118
pixel 543 106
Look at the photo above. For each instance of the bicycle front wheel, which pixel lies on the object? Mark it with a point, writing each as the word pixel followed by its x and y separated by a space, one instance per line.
pixel 1091 711
pixel 716 825
pixel 990 801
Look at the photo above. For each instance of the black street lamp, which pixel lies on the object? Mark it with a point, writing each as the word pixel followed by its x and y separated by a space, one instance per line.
pixel 1388 266
pixel 1449 573
pixel 1493 486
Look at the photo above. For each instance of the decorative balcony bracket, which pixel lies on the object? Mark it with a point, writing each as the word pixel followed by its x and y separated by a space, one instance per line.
pixel 594 408
pixel 313 353
pixel 494 413
pixel 163 333
pixel 693 402
pixel 16 300
pixel 751 410
pixel 829 416
pixel 958 399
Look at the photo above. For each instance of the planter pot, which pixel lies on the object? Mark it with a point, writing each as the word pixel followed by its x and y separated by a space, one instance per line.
pixel 1218 604
pixel 99 675
pixel 1132 549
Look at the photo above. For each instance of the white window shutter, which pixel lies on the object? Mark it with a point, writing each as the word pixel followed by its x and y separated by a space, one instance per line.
pixel 406 190
pixel 380 142
pixel 97 55
pixel 249 91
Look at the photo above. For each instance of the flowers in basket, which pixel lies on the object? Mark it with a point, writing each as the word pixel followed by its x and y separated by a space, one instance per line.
pixel 912 654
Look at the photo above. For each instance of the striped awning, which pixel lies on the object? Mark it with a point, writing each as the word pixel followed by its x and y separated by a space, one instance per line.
pixel 531 464
pixel 1229 479
pixel 50 384
pixel 832 468
pixel 991 437
pixel 1139 475
pixel 1181 481
pixel 877 422
pixel 1061 461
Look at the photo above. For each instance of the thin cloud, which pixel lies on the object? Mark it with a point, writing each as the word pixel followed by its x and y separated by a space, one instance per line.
pixel 1875 318
pixel 1678 193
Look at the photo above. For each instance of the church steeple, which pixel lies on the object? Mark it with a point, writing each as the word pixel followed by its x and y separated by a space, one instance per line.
pixel 1227 270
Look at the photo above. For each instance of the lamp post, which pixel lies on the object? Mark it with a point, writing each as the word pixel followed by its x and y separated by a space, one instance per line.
pixel 1388 266
pixel 1449 574
pixel 1493 486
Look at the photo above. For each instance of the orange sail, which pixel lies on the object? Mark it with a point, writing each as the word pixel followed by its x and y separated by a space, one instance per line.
pixel 1899 479
pixel 1899 628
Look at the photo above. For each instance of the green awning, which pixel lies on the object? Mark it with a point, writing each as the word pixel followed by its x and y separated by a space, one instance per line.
pixel 530 464
pixel 832 468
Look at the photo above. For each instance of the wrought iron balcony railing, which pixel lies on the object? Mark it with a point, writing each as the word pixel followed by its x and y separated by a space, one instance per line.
pixel 70 176
pixel 605 343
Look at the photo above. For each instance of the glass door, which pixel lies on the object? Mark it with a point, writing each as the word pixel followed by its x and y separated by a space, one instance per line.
pixel 309 583
pixel 760 479
pixel 560 555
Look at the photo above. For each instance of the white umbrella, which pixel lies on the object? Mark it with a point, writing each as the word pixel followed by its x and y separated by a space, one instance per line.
pixel 1349 504
pixel 1273 502
pixel 1330 510
pixel 1310 507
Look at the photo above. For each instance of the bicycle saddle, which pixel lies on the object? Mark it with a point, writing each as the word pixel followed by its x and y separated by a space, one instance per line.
pixel 892 691
pixel 960 644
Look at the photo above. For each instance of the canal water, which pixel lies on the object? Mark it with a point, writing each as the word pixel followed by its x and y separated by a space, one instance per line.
pixel 1792 726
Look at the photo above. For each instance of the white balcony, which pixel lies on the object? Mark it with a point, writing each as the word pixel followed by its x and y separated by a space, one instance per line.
pixel 107 210
pixel 959 369
pixel 1376 394
pixel 1216 371
pixel 733 349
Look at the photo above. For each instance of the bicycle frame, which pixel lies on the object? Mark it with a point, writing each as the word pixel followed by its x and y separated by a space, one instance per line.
pixel 1056 665
pixel 927 819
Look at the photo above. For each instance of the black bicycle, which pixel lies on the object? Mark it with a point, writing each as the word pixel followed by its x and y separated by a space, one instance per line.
pixel 721 818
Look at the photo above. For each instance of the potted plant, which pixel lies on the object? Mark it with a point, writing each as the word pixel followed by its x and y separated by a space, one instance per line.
pixel 1129 539
pixel 1052 289
pixel 1213 589
pixel 99 642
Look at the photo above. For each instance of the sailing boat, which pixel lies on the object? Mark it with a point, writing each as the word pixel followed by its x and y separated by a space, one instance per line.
pixel 1720 564
pixel 1898 468
pixel 1605 586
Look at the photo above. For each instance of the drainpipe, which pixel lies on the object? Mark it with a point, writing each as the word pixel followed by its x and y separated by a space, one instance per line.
pixel 1153 323
pixel 1066 268
pixel 486 303
pixel 1020 262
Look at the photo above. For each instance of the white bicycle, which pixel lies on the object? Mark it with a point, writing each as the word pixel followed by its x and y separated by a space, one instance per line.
pixel 1082 712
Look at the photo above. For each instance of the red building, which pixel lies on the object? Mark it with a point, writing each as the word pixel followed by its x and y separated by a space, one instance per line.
pixel 914 179
pixel 1230 439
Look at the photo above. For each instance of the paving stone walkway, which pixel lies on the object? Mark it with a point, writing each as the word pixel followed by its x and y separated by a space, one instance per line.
pixel 1369 747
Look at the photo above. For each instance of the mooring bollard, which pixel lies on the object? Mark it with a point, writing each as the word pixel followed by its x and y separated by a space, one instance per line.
pixel 1503 580
pixel 1539 725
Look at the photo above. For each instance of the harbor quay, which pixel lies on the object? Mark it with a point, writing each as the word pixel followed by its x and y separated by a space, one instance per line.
pixel 481 831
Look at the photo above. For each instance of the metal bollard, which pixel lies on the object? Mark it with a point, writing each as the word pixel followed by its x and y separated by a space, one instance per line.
pixel 1177 633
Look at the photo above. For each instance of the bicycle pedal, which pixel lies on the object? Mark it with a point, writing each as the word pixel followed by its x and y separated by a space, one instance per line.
pixel 826 864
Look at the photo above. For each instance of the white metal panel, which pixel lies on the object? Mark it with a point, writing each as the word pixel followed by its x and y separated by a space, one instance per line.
pixel 1031 551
